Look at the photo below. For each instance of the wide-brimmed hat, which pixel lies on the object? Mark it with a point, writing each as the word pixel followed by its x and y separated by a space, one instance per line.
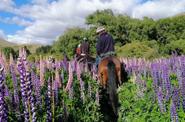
pixel 100 29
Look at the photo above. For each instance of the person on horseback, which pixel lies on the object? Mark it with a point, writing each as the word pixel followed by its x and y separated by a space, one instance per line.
pixel 78 52
pixel 85 47
pixel 82 51
pixel 108 72
pixel 105 45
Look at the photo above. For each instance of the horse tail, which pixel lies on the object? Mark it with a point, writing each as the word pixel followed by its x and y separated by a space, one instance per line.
pixel 112 87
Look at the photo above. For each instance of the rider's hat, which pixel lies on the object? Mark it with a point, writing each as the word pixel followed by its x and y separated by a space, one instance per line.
pixel 100 29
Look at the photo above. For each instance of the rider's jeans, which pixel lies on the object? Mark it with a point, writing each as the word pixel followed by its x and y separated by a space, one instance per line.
pixel 97 61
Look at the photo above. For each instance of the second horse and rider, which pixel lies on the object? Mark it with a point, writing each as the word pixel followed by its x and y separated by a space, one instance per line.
pixel 104 47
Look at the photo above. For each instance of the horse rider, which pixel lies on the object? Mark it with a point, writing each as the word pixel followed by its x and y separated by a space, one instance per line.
pixel 78 51
pixel 105 45
pixel 83 49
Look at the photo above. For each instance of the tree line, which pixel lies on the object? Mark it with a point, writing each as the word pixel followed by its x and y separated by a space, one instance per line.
pixel 133 37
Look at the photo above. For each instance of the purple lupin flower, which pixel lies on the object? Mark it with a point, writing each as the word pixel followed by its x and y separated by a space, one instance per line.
pixel 179 74
pixel 30 96
pixel 55 90
pixel 155 76
pixel 23 84
pixel 7 94
pixel 14 79
pixel 141 86
pixel 57 65
pixel 26 111
pixel 160 100
pixel 3 107
pixel 172 61
pixel 65 63
pixel 29 85
pixel 37 89
pixel 173 112
pixel 183 95
pixel 175 97
pixel 62 77
pixel 33 79
pixel 166 80
pixel 181 79
pixel 48 101
pixel 33 109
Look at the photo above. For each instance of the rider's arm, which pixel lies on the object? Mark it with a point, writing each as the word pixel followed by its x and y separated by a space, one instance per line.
pixel 98 47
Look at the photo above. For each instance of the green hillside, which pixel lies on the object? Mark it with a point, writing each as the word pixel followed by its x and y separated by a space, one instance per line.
pixel 4 43
pixel 31 47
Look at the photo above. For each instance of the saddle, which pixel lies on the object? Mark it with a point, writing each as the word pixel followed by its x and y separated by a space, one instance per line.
pixel 85 58
pixel 106 55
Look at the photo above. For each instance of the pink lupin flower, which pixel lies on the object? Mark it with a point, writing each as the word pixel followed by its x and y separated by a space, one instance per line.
pixel 3 62
pixel 42 66
pixel 78 71
pixel 70 78
pixel 57 78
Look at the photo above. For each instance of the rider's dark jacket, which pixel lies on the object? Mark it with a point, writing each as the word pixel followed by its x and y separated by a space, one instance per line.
pixel 85 47
pixel 105 43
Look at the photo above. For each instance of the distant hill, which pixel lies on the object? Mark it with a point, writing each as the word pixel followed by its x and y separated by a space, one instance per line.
pixel 31 47
pixel 180 14
pixel 4 43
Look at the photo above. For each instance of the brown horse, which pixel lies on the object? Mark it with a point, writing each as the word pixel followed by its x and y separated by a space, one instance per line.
pixel 110 76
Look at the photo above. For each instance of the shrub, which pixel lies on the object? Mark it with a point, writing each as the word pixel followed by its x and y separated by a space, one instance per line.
pixel 138 49
pixel 175 46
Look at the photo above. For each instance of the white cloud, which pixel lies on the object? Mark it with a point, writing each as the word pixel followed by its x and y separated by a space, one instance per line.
pixel 51 18
pixel 6 5
pixel 15 20
pixel 159 8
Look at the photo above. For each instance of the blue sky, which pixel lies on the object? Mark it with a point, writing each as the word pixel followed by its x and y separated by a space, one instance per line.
pixel 21 2
pixel 42 21
pixel 9 28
